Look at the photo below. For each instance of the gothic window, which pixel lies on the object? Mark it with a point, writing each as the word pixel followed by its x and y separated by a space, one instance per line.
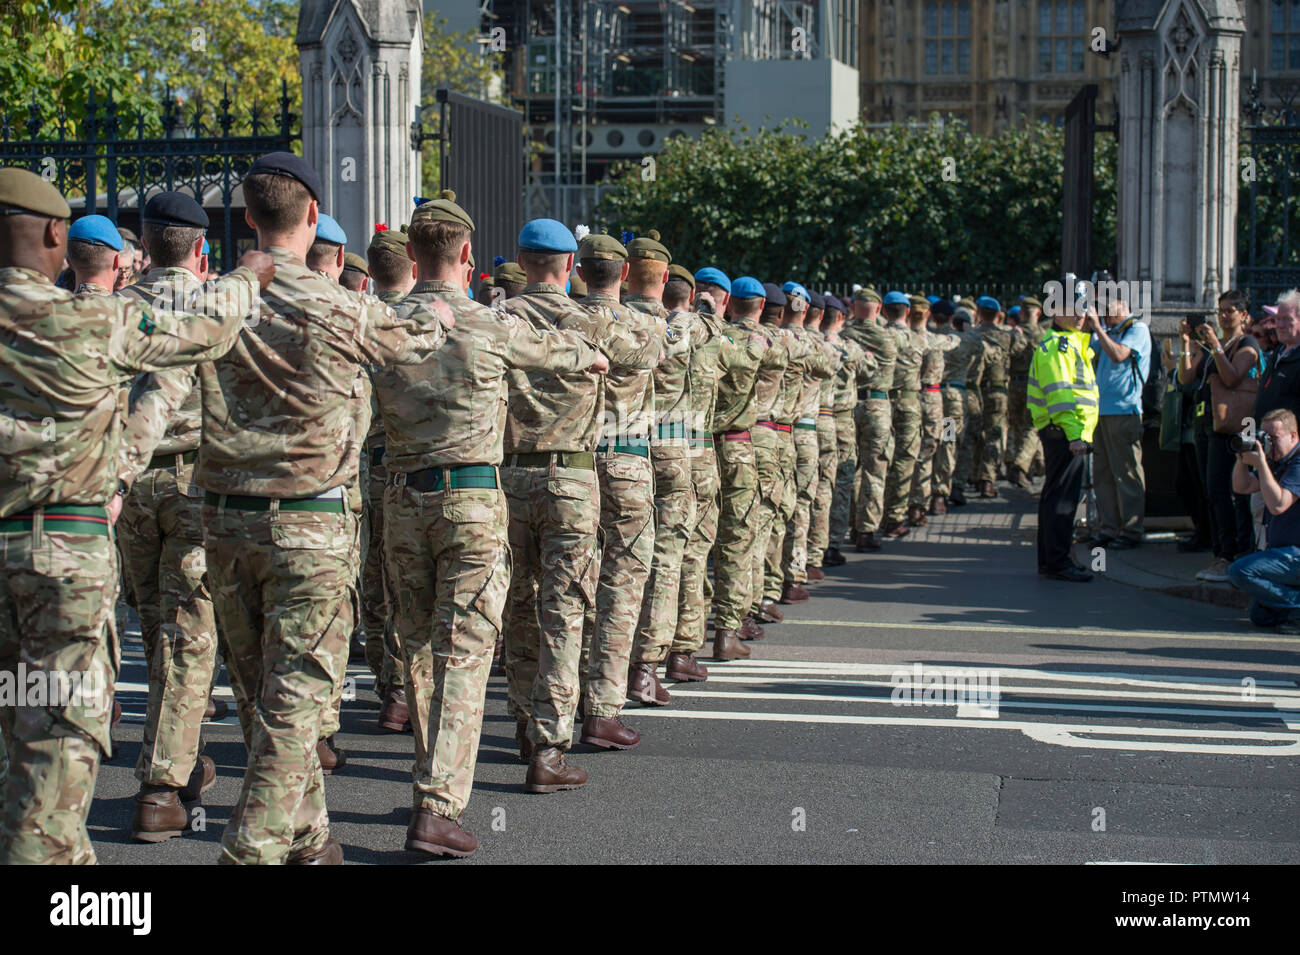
pixel 1284 34
pixel 1061 31
pixel 947 38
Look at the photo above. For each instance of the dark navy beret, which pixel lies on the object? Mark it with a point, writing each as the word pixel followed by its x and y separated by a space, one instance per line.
pixel 773 294
pixel 942 308
pixel 287 164
pixel 816 300
pixel 175 208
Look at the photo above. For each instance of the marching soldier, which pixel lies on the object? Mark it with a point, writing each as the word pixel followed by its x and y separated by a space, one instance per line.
pixel 854 373
pixel 961 365
pixel 873 417
pixel 905 403
pixel 1024 450
pixel 932 414
pixel 819 520
pixel 773 454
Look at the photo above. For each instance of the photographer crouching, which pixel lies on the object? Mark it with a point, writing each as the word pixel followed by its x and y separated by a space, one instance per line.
pixel 1269 464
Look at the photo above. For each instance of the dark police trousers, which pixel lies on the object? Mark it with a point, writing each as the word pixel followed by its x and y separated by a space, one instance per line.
pixel 1059 501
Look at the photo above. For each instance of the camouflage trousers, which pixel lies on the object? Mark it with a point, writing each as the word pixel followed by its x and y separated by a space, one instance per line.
pixel 627 534
pixel 819 526
pixel 875 421
pixel 284 588
pixel 794 555
pixel 447 557
pixel 733 551
pixel 554 517
pixel 995 435
pixel 1024 449
pixel 383 651
pixel 931 432
pixel 57 591
pixel 160 532
pixel 846 472
pixel 971 440
pixel 907 444
pixel 674 524
pixel 695 595
pixel 945 455
pixel 771 467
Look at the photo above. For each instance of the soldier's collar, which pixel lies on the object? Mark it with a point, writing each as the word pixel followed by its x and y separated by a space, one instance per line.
pixel 91 288
pixel 549 288
pixel 167 272
pixel 16 272
pixel 281 254
pixel 437 285
pixel 600 297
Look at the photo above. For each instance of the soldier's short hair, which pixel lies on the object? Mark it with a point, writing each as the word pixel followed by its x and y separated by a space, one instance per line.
pixel 169 245
pixel 389 268
pixel 602 273
pixel 747 307
pixel 676 293
pixel 511 289
pixel 544 261
pixel 322 254
pixel 275 203
pixel 437 241
pixel 643 272
pixel 987 315
pixel 86 256
pixel 352 279
pixel 896 311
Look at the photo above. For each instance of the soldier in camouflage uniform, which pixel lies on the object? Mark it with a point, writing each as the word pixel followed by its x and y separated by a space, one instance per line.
pixel 65 364
pixel 553 424
pixel 624 473
pixel 1024 449
pixel 711 344
pixel 905 401
pixel 393 276
pixel 932 363
pixel 161 533
pixel 97 256
pixel 674 492
pixel 964 360
pixel 819 521
pixel 447 548
pixel 855 372
pixel 777 386
pixel 873 416
pixel 285 415
pixel 734 415
pixel 1004 344
pixel 970 442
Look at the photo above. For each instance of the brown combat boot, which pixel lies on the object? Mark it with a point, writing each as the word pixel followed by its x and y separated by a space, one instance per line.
pixel 158 814
pixel 897 529
pixel 202 778
pixel 957 497
pixel 684 668
pixel 833 558
pixel 395 716
pixel 750 630
pixel 661 695
pixel 816 574
pixel 331 757
pixel 525 744
pixel 215 710
pixel 437 835
pixel 727 645
pixel 987 489
pixel 608 732
pixel 793 593
pixel 329 854
pixel 641 683
pixel 938 506
pixel 1020 479
pixel 868 541
pixel 548 772
pixel 768 611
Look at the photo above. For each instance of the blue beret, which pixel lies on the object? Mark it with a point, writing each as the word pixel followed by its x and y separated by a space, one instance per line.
pixel 328 230
pixel 897 298
pixel 1014 310
pixel 932 299
pixel 796 289
pixel 714 277
pixel 816 300
pixel 290 166
pixel 989 302
pixel 745 287
pixel 97 230
pixel 207 250
pixel 547 235
pixel 773 294
pixel 175 208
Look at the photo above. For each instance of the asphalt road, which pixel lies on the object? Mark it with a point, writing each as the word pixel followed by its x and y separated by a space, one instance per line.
pixel 1106 724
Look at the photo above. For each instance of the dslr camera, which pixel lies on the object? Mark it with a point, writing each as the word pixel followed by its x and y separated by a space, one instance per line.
pixel 1241 443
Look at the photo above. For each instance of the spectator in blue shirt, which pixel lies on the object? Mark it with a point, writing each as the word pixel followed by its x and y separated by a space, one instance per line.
pixel 1272 576
pixel 1123 346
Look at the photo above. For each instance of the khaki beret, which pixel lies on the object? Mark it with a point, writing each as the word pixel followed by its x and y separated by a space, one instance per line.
pixel 683 273
pixel 597 245
pixel 390 240
pixel 1030 302
pixel 920 301
pixel 866 295
pixel 20 189
pixel 577 287
pixel 648 246
pixel 486 282
pixel 353 261
pixel 967 303
pixel 509 272
pixel 442 209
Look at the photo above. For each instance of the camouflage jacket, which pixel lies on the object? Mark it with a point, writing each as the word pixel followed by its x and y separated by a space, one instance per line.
pixel 285 413
pixel 450 409
pixel 907 361
pixel 772 370
pixel 751 344
pixel 1001 342
pixel 629 388
pixel 711 340
pixel 854 372
pixel 1033 333
pixel 65 363
pixel 882 345
pixel 819 367
pixel 934 346
pixel 375 436
pixel 963 362
pixel 673 420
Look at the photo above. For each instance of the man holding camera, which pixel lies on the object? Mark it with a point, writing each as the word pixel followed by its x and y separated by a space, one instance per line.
pixel 1268 463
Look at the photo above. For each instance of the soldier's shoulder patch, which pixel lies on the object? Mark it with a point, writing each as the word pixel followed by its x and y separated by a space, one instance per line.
pixel 147 324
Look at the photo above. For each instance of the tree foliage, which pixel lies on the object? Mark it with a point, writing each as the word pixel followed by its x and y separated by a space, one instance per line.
pixel 909 205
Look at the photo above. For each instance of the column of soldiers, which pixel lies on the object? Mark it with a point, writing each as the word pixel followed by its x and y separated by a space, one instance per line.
pixel 540 476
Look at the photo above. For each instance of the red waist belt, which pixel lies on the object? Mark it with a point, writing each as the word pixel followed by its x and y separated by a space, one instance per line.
pixel 785 428
pixel 735 435
pixel 931 387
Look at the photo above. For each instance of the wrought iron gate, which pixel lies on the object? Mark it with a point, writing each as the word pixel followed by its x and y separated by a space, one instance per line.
pixel 1268 219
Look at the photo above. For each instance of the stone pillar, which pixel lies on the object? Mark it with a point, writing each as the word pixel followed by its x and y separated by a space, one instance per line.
pixel 360 64
pixel 1179 112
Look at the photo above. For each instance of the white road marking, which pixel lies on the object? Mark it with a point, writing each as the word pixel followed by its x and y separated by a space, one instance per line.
pixel 957 627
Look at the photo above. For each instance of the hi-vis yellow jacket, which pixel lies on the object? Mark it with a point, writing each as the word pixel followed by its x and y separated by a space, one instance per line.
pixel 1063 386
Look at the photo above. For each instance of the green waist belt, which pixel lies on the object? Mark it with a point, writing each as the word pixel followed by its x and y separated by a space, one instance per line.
pixel 432 479
pixel 865 394
pixel 953 384
pixel 805 427
pixel 702 436
pixel 172 460
pixel 637 449
pixel 60 518
pixel 674 429
pixel 543 459
pixel 240 502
